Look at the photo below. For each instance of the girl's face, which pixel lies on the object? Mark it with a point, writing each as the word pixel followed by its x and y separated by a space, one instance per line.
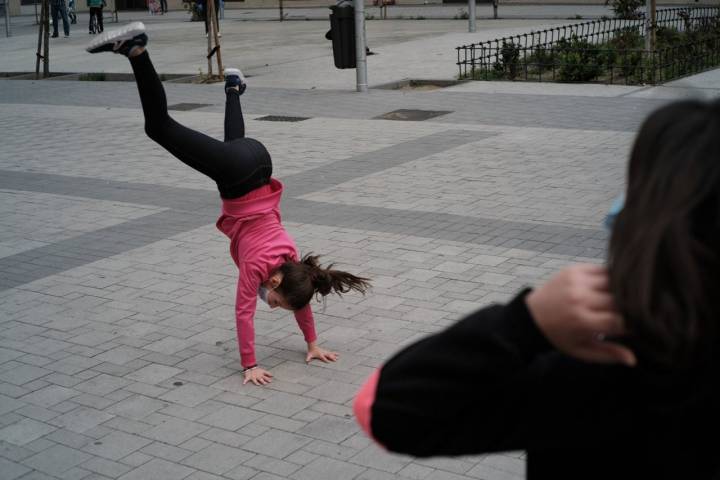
pixel 274 300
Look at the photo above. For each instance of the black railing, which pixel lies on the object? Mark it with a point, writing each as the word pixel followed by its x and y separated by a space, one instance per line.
pixel 603 65
pixel 484 56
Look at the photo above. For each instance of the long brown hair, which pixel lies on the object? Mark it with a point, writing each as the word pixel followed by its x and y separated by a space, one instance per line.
pixel 307 278
pixel 664 255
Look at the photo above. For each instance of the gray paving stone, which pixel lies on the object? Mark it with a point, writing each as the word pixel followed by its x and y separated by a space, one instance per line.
pixel 334 392
pixel 11 470
pixel 190 395
pixel 242 473
pixel 23 374
pixel 327 469
pixel 49 396
pixel 217 458
pixel 8 404
pixel 330 428
pixel 56 460
pixel 116 445
pixel 272 465
pixel 81 419
pixel 175 431
pixel 230 417
pixel 101 385
pixel 276 444
pixel 371 474
pixel 106 468
pixel 136 407
pixel 374 457
pixel 167 452
pixel 158 469
pixel 136 459
pixel 283 404
pixel 416 472
pixel 154 374
pixel 25 431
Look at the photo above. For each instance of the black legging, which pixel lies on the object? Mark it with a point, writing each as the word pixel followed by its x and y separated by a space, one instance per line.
pixel 238 165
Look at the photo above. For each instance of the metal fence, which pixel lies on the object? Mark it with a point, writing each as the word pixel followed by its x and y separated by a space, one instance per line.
pixel 604 65
pixel 484 56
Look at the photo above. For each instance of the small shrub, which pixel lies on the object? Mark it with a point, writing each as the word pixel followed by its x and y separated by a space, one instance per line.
pixel 541 58
pixel 509 61
pixel 626 9
pixel 579 60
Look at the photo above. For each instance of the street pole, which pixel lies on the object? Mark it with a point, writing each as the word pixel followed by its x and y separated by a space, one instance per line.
pixel 7 18
pixel 360 58
pixel 650 17
pixel 472 27
pixel 46 37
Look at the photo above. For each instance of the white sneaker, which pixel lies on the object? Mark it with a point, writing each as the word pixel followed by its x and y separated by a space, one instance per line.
pixel 120 40
pixel 234 78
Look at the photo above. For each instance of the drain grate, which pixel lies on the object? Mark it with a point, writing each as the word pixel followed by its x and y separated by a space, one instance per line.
pixel 184 107
pixel 282 118
pixel 412 115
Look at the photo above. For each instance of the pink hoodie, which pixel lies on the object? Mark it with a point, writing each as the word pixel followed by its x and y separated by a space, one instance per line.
pixel 258 244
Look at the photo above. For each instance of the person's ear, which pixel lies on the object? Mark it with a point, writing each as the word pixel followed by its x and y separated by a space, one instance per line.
pixel 276 279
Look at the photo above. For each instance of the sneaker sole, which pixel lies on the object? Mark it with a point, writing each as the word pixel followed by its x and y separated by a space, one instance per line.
pixel 234 71
pixel 125 33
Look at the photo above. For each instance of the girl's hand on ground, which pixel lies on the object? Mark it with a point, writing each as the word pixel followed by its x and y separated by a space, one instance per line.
pixel 576 313
pixel 321 354
pixel 258 376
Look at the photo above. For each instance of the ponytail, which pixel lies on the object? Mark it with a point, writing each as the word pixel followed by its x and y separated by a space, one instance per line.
pixel 307 278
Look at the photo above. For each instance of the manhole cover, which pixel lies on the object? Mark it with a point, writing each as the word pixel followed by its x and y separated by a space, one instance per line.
pixel 187 106
pixel 412 115
pixel 281 118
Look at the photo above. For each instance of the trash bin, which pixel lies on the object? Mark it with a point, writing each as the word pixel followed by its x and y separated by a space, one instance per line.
pixel 342 34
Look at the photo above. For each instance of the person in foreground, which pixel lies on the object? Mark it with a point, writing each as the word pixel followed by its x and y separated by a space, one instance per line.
pixel 266 256
pixel 588 393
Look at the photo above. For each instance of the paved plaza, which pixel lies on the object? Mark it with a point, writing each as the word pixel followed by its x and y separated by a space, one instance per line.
pixel 118 353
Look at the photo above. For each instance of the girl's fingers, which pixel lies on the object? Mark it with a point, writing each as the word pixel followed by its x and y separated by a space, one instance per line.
pixel 608 352
pixel 605 323
pixel 600 301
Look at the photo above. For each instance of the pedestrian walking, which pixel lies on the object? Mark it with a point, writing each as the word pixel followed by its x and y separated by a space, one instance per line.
pixel 58 8
pixel 95 24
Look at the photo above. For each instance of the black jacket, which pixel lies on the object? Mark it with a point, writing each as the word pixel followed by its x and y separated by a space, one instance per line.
pixel 492 382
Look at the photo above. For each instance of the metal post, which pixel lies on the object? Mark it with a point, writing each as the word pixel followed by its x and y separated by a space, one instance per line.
pixel 216 38
pixel 209 9
pixel 281 10
pixel 650 11
pixel 7 17
pixel 653 19
pixel 360 58
pixel 46 39
pixel 472 14
pixel 495 6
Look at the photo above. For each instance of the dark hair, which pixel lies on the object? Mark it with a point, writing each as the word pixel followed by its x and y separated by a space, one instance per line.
pixel 304 279
pixel 664 256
